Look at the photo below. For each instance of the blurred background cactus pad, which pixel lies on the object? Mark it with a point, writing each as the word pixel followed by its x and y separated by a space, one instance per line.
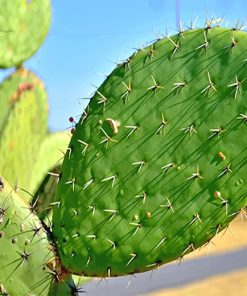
pixel 23 27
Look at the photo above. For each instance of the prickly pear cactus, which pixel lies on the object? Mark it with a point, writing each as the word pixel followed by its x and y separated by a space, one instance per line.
pixel 27 264
pixel 157 164
pixel 23 27
pixel 23 125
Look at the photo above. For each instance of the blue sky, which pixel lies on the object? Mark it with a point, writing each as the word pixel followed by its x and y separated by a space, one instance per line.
pixel 86 36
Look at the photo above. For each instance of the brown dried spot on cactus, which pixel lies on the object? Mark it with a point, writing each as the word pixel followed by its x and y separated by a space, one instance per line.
pixel 60 273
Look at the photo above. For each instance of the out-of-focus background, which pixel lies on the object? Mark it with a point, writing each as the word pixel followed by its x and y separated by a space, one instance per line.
pixel 86 39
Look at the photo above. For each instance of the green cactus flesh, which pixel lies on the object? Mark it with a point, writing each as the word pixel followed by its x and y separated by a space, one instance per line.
pixel 65 288
pixel 23 125
pixel 23 27
pixel 25 251
pixel 157 164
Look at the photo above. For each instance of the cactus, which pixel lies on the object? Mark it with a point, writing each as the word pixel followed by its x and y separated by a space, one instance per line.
pixel 28 262
pixel 155 167
pixel 50 156
pixel 24 25
pixel 21 91
pixel 157 163
pixel 14 89
pixel 48 160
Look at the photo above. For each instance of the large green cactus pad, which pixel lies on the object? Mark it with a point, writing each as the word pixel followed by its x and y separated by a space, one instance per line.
pixel 23 125
pixel 24 248
pixel 158 166
pixel 23 27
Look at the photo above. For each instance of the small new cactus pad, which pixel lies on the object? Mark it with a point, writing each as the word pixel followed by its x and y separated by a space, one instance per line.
pixel 50 156
pixel 23 27
pixel 157 164
pixel 23 125
pixel 45 172
pixel 26 258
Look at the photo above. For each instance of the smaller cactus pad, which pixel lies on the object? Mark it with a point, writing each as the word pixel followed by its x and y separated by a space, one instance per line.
pixel 157 164
pixel 24 247
pixel 23 125
pixel 23 27
pixel 50 155
pixel 46 171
